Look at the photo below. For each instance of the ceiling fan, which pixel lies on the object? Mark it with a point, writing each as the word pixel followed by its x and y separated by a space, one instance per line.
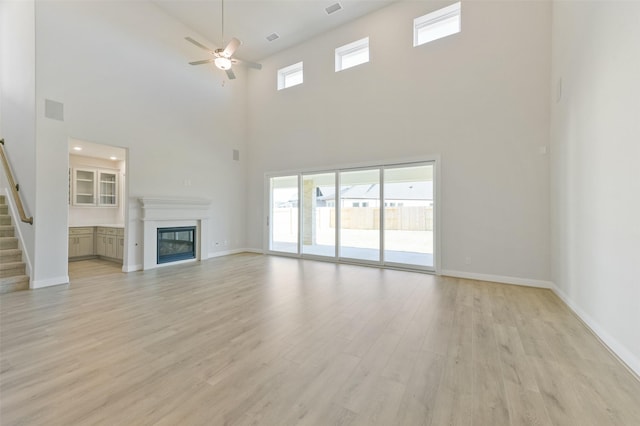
pixel 223 58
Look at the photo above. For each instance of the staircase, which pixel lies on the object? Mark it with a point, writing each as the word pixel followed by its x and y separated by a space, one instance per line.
pixel 12 269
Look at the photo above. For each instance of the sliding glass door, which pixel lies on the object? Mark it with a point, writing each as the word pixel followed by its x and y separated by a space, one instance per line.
pixel 381 215
pixel 283 220
pixel 319 214
pixel 359 207
pixel 408 215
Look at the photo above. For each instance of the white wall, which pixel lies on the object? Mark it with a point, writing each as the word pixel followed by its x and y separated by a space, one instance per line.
pixel 94 215
pixel 595 174
pixel 479 99
pixel 17 89
pixel 120 68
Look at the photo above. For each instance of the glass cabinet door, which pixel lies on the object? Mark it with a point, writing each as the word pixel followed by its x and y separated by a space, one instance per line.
pixel 108 184
pixel 84 187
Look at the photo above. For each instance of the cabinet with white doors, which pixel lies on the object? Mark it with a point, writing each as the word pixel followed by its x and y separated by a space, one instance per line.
pixel 94 187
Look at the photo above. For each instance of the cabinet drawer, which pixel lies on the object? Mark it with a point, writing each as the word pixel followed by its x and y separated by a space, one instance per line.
pixel 81 230
pixel 103 230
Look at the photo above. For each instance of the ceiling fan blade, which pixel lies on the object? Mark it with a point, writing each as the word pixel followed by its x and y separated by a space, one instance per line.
pixel 204 61
pixel 249 64
pixel 230 74
pixel 231 47
pixel 200 45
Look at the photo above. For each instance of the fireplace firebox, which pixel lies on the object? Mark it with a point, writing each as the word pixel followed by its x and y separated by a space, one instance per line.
pixel 178 243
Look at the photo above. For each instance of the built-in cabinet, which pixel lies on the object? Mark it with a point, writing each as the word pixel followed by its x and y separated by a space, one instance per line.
pixel 110 242
pixel 102 241
pixel 94 187
pixel 81 242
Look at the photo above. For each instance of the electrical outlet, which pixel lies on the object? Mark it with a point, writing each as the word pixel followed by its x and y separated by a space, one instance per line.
pixel 467 260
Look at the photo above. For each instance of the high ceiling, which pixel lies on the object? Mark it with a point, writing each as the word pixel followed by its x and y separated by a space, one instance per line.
pixel 251 21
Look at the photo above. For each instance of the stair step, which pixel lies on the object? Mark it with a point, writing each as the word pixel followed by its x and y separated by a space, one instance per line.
pixel 8 243
pixel 3 200
pixel 10 255
pixel 6 231
pixel 4 209
pixel 5 219
pixel 11 269
pixel 17 283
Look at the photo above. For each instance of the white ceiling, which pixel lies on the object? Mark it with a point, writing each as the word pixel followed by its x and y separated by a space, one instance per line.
pixel 95 150
pixel 251 21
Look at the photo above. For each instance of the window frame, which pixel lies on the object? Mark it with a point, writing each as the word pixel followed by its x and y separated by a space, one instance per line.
pixel 351 49
pixel 288 71
pixel 435 17
pixel 339 205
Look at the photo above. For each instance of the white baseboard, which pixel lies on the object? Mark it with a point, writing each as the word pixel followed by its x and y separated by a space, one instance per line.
pixel 50 282
pixel 497 279
pixel 229 252
pixel 253 250
pixel 617 348
pixel 132 268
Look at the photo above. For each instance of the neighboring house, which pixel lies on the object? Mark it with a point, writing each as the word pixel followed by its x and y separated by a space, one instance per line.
pixel 395 195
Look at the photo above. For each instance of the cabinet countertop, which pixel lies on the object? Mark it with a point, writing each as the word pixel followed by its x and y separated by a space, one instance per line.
pixel 97 226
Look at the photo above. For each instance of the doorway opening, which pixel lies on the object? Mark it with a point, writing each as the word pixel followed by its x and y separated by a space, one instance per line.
pixel 97 208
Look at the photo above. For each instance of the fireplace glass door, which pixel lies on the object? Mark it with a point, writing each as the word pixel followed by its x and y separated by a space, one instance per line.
pixel 176 244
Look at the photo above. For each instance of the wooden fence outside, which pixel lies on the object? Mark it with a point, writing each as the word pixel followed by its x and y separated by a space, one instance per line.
pixel 396 218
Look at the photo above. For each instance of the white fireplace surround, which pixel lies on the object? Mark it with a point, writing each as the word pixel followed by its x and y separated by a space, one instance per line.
pixel 168 212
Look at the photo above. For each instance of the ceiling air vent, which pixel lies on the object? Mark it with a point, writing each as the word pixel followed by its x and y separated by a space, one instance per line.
pixel 333 8
pixel 272 37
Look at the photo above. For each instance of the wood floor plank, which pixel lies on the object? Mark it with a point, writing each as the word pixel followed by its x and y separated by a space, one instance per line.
pixel 358 388
pixel 454 401
pixel 259 340
pixel 559 395
pixel 526 407
pixel 419 400
pixel 516 367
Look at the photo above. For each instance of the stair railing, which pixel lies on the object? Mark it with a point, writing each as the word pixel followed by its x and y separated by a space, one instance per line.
pixel 14 187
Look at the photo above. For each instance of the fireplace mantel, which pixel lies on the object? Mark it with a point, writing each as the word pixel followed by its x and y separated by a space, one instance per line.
pixel 165 208
pixel 163 212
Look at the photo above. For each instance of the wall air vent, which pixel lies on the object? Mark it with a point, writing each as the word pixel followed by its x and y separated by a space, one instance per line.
pixel 272 37
pixel 333 8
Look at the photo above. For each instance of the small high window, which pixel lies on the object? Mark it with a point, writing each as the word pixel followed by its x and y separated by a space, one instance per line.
pixel 290 76
pixel 432 26
pixel 352 54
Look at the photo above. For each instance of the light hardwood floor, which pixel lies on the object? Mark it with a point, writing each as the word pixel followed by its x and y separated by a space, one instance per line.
pixel 251 339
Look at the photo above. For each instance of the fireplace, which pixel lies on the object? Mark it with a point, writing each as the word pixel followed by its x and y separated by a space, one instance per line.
pixel 178 243
pixel 176 212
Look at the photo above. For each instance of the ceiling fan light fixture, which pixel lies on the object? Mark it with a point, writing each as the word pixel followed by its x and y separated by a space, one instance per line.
pixel 222 63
